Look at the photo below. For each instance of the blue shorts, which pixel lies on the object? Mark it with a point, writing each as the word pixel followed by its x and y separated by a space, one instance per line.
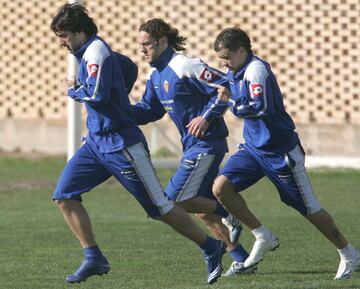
pixel 131 166
pixel 287 172
pixel 195 176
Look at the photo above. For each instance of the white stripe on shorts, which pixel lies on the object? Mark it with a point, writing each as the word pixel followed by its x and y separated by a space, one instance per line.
pixel 143 167
pixel 302 180
pixel 196 177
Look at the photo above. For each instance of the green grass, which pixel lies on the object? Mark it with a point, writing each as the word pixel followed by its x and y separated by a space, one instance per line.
pixel 37 250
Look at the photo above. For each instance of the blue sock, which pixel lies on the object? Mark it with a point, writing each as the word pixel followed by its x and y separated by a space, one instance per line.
pixel 209 246
pixel 220 211
pixel 239 254
pixel 93 254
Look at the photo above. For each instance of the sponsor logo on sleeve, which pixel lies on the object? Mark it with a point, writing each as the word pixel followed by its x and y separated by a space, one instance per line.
pixel 207 75
pixel 93 69
pixel 257 90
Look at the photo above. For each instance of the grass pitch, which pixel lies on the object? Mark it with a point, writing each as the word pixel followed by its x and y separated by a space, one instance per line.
pixel 37 250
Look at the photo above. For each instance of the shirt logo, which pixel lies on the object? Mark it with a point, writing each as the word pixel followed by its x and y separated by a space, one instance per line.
pixel 93 69
pixel 167 103
pixel 207 75
pixel 256 90
pixel 166 86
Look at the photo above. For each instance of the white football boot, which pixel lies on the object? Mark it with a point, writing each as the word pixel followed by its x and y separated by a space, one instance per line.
pixel 347 266
pixel 260 248
pixel 234 226
pixel 238 268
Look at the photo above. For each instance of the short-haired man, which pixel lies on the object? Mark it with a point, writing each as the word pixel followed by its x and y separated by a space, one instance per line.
pixel 114 146
pixel 272 148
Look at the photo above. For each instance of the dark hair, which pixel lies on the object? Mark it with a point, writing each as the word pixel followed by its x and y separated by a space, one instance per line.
pixel 232 38
pixel 158 28
pixel 74 18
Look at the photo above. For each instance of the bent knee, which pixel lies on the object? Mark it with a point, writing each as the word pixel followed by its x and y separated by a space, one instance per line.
pixel 59 202
pixel 217 186
pixel 64 203
pixel 220 186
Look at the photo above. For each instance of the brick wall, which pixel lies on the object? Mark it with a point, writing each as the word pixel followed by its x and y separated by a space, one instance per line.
pixel 313 46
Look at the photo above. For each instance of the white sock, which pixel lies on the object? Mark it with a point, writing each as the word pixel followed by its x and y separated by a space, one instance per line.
pixel 347 252
pixel 262 233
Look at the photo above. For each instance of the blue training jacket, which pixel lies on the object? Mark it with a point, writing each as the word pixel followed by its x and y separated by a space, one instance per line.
pixel 110 121
pixel 256 97
pixel 129 70
pixel 184 88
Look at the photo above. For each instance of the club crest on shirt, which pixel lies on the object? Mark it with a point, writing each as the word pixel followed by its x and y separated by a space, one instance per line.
pixel 166 86
pixel 93 69
pixel 256 90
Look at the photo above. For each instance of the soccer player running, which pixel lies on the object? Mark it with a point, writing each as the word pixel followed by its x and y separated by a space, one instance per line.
pixel 184 88
pixel 114 146
pixel 272 148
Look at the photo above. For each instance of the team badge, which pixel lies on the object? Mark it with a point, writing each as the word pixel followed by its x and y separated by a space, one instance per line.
pixel 166 86
pixel 93 69
pixel 256 90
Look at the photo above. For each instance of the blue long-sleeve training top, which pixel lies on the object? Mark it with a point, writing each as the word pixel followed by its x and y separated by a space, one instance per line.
pixel 256 97
pixel 110 118
pixel 184 88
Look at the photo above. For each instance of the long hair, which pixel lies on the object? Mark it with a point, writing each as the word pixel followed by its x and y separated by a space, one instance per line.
pixel 158 28
pixel 74 18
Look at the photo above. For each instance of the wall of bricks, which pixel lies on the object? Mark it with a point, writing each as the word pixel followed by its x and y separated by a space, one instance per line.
pixel 313 46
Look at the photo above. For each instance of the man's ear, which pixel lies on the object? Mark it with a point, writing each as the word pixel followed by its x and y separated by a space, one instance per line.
pixel 241 50
pixel 163 41
pixel 80 34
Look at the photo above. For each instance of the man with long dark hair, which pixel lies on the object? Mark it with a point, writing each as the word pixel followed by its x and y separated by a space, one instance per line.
pixel 114 146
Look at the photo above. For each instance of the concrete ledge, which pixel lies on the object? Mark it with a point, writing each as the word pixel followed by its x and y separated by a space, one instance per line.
pixel 332 162
pixel 326 145
pixel 311 162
